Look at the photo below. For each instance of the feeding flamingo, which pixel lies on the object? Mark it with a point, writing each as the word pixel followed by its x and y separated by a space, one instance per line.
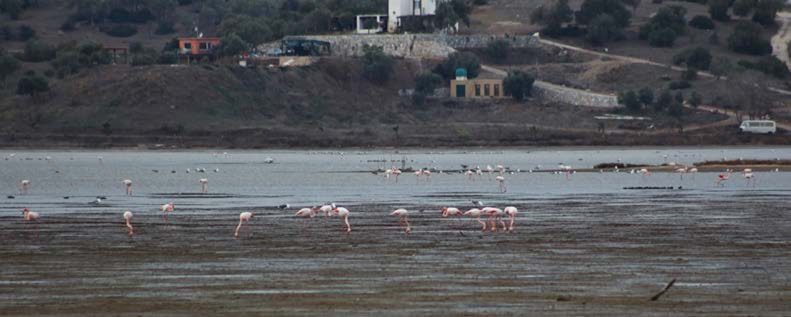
pixel 23 185
pixel 327 210
pixel 476 213
pixel 128 218
pixel 402 218
pixel 495 214
pixel 723 177
pixel 128 184
pixel 167 208
pixel 344 214
pixel 511 212
pixel 450 211
pixel 305 214
pixel 501 179
pixel 30 215
pixel 243 217
pixel 204 185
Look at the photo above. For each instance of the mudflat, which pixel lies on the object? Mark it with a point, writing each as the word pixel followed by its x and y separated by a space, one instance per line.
pixel 583 255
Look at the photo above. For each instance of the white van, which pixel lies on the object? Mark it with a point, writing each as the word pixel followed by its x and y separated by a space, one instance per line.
pixel 758 126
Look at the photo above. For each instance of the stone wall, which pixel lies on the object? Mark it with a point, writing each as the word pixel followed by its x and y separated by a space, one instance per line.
pixel 556 93
pixel 409 45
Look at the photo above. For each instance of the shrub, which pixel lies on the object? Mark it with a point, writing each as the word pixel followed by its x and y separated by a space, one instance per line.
pixel 426 83
pixel 766 10
pixel 697 58
pixel 591 9
pixel 36 51
pixel 121 30
pixel 164 27
pixel 718 10
pixel 694 100
pixel 25 32
pixel 631 101
pixel 147 57
pixel 663 101
pixel 662 38
pixel 646 96
pixel 232 44
pixel 377 66
pixel 168 58
pixel 701 22
pixel 32 85
pixel 689 75
pixel 747 39
pixel 498 49
pixel 769 65
pixel 676 85
pixel 743 8
pixel 468 61
pixel 518 84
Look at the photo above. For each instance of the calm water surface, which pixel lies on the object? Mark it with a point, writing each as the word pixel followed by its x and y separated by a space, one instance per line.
pixel 304 177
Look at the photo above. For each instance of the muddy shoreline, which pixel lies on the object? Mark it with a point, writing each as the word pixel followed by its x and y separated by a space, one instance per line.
pixel 580 256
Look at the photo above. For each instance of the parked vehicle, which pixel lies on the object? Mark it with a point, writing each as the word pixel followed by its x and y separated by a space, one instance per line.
pixel 758 126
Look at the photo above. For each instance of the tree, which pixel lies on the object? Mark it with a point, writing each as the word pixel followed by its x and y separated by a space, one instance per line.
pixel 466 60
pixel 518 84
pixel 32 85
pixel 593 8
pixel 696 58
pixel 377 66
pixel 426 83
pixel 743 8
pixel 766 10
pixel 667 18
pixel 662 38
pixel 646 96
pixel 553 17
pixel 231 44
pixel 602 30
pixel 718 10
pixel 631 101
pixel 663 101
pixel 747 38
pixel 676 109
pixel 701 22
pixel 8 66
pixel 252 30
pixel 450 13
pixel 721 66
pixel 498 49
pixel 162 9
pixel 694 100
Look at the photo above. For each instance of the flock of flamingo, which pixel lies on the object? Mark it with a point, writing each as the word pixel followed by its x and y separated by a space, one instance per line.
pixel 494 215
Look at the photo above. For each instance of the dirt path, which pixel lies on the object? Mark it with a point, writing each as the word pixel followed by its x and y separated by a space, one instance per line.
pixel 782 38
pixel 580 255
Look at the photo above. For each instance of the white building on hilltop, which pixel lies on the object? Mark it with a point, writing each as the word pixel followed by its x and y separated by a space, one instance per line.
pixel 396 10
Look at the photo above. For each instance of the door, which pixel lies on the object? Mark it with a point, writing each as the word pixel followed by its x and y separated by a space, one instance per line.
pixel 461 91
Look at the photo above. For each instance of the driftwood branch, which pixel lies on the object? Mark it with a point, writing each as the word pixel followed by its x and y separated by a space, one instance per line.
pixel 669 285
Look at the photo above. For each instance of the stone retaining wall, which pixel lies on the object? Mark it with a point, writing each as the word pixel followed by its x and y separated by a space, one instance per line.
pixel 556 93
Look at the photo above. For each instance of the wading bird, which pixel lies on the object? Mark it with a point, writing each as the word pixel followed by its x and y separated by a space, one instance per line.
pixel 723 177
pixel 23 185
pixel 30 215
pixel 204 185
pixel 402 218
pixel 511 212
pixel 450 211
pixel 128 184
pixel 501 179
pixel 495 214
pixel 476 213
pixel 128 218
pixel 747 173
pixel 243 217
pixel 167 208
pixel 344 214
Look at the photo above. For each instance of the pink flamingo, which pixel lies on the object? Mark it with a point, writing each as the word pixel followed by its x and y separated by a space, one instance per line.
pixel 501 179
pixel 450 211
pixel 495 214
pixel 243 217
pixel 305 214
pixel 204 185
pixel 693 171
pixel 396 173
pixel 23 186
pixel 402 218
pixel 128 218
pixel 682 171
pixel 469 175
pixel 427 173
pixel 167 208
pixel 645 172
pixel 500 169
pixel 723 177
pixel 31 216
pixel 327 210
pixel 344 214
pixel 475 212
pixel 511 212
pixel 128 184
pixel 747 173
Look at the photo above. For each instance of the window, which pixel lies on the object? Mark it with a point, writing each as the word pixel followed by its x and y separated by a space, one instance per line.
pixel 187 45
pixel 486 90
pixel 477 90
pixel 204 46
pixel 496 90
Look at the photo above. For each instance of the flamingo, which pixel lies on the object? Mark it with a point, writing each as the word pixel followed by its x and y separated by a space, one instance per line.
pixel 402 218
pixel 469 174
pixel 128 184
pixel 23 186
pixel 645 172
pixel 566 169
pixel 450 211
pixel 511 212
pixel 305 214
pixel 693 171
pixel 167 208
pixel 128 218
pixel 500 169
pixel 30 215
pixel 682 171
pixel 495 214
pixel 243 217
pixel 327 210
pixel 204 185
pixel 489 171
pixel 475 212
pixel 396 173
pixel 722 177
pixel 747 173
pixel 427 173
pixel 501 179
pixel 343 213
